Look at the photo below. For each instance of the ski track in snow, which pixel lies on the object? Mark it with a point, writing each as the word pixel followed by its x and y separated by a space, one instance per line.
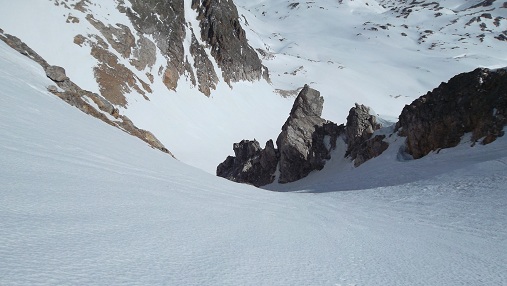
pixel 82 203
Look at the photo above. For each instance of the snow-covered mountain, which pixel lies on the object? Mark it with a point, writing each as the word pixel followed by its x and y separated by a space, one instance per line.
pixel 82 202
pixel 155 71
pixel 374 52
pixel 383 54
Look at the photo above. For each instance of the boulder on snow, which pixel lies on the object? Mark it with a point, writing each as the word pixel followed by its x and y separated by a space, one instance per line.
pixel 56 73
pixel 52 88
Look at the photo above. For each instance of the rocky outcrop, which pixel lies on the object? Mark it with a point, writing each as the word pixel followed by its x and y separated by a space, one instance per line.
pixel 303 145
pixel 145 54
pixel 119 37
pixel 115 79
pixel 299 152
pixel 21 47
pixel 156 37
pixel 86 101
pixel 473 102
pixel 251 164
pixel 221 29
pixel 220 33
pixel 206 75
pixel 167 29
pixel 56 73
pixel 369 149
pixel 360 127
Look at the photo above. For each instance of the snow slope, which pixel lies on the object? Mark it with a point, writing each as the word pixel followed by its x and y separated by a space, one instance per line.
pixel 362 51
pixel 76 208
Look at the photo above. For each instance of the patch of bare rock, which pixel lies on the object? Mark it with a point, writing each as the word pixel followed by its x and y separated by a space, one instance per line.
pixel 221 29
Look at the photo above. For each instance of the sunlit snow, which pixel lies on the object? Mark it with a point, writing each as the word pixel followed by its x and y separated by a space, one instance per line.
pixel 83 203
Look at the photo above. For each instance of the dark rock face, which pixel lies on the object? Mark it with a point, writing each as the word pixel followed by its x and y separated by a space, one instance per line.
pixel 251 164
pixel 299 154
pixel 304 144
pixel 324 140
pixel 369 149
pixel 206 74
pixel 470 102
pixel 168 30
pixel 360 127
pixel 220 28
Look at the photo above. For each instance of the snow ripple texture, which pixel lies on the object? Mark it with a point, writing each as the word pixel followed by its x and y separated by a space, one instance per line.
pixel 82 203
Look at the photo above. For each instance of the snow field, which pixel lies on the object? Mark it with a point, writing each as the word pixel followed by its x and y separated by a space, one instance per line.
pixel 84 203
pixel 348 62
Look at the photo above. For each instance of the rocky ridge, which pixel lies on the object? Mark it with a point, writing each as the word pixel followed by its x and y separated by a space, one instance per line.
pixel 472 103
pixel 167 30
pixel 304 144
pixel 220 33
pixel 221 29
pixel 123 54
pixel 86 101
pixel 154 42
